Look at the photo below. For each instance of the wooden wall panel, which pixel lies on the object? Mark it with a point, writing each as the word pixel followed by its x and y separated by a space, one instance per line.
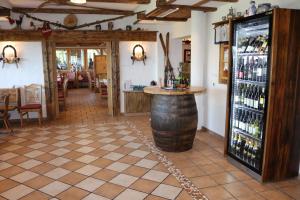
pixel 282 153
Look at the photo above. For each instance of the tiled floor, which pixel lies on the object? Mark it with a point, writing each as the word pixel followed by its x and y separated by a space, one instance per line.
pixel 79 157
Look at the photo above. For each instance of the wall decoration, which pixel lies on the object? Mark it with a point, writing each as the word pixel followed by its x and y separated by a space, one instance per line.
pixel 187 56
pixel 70 20
pixel 59 25
pixel 128 28
pixel 224 63
pixel 138 54
pixel 110 26
pixel 9 58
pixel 19 22
pixel 46 30
pixel 98 27
pixel 222 34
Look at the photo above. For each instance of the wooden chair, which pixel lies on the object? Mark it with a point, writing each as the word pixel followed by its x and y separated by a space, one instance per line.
pixel 63 93
pixel 103 90
pixel 32 102
pixel 14 97
pixel 4 115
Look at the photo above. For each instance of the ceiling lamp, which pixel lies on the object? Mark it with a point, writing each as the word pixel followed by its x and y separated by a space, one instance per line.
pixel 78 1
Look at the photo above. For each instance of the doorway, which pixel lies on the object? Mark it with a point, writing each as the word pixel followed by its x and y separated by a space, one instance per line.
pixel 82 79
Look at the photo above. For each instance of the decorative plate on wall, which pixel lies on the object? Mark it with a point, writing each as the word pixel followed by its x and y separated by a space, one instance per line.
pixel 70 20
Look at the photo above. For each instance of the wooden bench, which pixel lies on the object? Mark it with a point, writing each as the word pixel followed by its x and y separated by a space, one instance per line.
pixel 14 98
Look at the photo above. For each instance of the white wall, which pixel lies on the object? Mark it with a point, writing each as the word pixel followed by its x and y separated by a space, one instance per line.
pixel 30 68
pixel 138 73
pixel 215 102
pixel 198 58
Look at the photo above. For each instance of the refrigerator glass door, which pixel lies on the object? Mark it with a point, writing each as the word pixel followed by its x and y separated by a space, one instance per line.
pixel 250 74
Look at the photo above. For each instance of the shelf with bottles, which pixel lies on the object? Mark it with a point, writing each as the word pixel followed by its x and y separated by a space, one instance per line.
pixel 255 44
pixel 251 97
pixel 252 69
pixel 245 134
pixel 251 82
pixel 249 123
pixel 253 54
pixel 246 150
pixel 238 106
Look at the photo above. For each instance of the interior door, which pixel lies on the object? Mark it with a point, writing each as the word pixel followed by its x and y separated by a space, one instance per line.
pixel 101 66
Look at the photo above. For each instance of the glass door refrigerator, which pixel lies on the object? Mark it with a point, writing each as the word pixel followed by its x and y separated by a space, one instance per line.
pixel 249 134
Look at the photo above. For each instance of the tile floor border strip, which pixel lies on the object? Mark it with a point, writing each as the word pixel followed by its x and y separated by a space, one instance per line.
pixel 184 181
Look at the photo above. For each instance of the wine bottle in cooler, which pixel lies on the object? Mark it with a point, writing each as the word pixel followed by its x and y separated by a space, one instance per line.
pixel 238 146
pixel 241 70
pixel 245 152
pixel 256 98
pixel 259 72
pixel 262 99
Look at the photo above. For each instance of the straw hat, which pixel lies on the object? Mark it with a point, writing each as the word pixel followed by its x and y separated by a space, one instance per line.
pixel 70 20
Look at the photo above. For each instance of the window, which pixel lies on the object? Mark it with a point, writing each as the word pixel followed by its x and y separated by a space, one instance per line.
pixel 76 59
pixel 62 59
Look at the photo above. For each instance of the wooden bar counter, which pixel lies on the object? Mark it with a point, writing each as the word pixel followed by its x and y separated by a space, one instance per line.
pixel 174 117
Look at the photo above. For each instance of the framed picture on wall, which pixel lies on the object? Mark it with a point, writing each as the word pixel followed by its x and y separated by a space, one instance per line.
pixel 187 56
pixel 222 34
pixel 224 63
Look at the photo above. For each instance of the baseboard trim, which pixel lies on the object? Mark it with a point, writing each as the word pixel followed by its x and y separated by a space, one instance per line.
pixel 204 129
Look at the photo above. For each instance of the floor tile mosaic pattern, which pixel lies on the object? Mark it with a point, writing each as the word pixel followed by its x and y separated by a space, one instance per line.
pixel 104 161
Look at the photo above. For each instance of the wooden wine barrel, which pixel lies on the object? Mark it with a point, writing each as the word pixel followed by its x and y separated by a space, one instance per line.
pixel 174 120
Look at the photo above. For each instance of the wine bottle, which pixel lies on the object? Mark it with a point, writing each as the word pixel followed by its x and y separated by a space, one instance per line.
pixel 245 153
pixel 246 69
pixel 234 142
pixel 250 151
pixel 246 122
pixel 250 70
pixel 236 118
pixel 246 95
pixel 254 70
pixel 241 70
pixel 238 146
pixel 264 45
pixel 243 44
pixel 251 97
pixel 237 94
pixel 259 72
pixel 250 46
pixel 241 117
pixel 251 124
pixel 257 126
pixel 256 98
pixel 242 94
pixel 255 155
pixel 262 99
pixel 265 70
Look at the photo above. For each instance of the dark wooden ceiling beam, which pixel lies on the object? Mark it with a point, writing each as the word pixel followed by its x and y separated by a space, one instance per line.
pixel 202 2
pixel 174 6
pixel 142 16
pixel 4 12
pixel 100 11
pixel 122 1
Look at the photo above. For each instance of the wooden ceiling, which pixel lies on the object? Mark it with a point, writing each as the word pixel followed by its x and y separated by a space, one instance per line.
pixel 100 7
pixel 168 10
